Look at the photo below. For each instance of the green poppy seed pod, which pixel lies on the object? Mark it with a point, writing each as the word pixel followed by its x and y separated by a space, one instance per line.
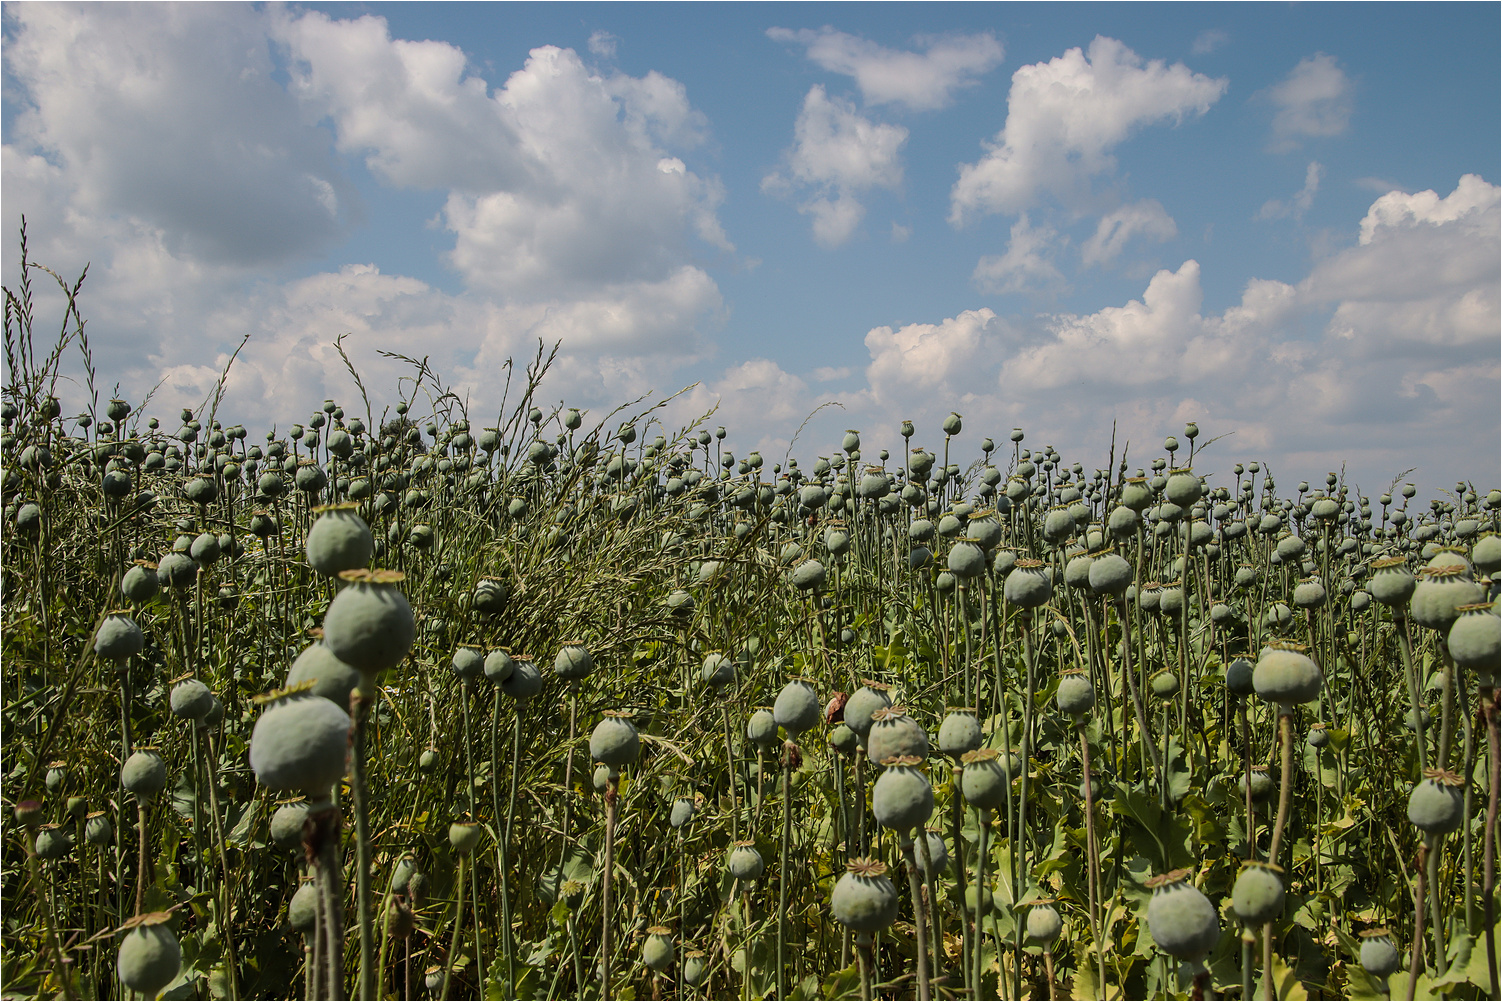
pixel 615 741
pixel 287 823
pixel 918 558
pixel 843 740
pixel 29 519
pixel 864 899
pixel 984 781
pixel 300 742
pixel 1261 784
pixel 808 575
pixel 1475 638
pixel 191 699
pixel 1183 487
pixel 862 705
pixel 1077 571
pixel 498 666
pixel 1379 955
pixel 682 812
pixel 1164 683
pixel 894 734
pixel 1257 896
pixel 1278 616
pixel 1309 594
pixel 1439 594
pixel 952 424
pixel 680 603
pixel 302 910
pixel 1318 736
pixel 1058 525
pixel 57 775
pixel 902 798
pixel 574 662
pixel 1110 574
pixel 144 773
pixel 140 585
pixel 1239 676
pixel 489 597
pixel 149 956
pixel 77 808
pixel 1171 600
pixel 403 873
pixel 205 549
pixel 97 830
pixel 1436 804
pixel 468 662
pixel 464 837
pixel 1136 494
pixel 938 854
pixel 1486 554
pixel 1183 922
pixel 797 707
pixel 967 560
pixel 53 843
pixel 1391 582
pixel 745 863
pixel 524 682
pixel 717 670
pixel 339 540
pixel 119 637
pixel 657 951
pixel 1286 675
pixel 369 624
pixel 761 728
pixel 959 733
pixel 201 490
pixel 600 778
pixel 1124 522
pixel 331 678
pixel 1028 586
pixel 1075 695
pixel 695 968
pixel 1044 923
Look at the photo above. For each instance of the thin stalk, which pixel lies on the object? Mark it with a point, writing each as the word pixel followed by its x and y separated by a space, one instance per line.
pixel 448 966
pixel 914 883
pixel 789 752
pixel 1416 959
pixel 360 704
pixel 863 952
pixel 612 788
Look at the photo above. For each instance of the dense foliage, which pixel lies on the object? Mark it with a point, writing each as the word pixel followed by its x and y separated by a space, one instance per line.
pixel 626 714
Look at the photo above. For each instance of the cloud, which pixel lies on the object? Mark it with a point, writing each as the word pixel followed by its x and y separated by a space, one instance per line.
pixel 1315 100
pixel 1027 265
pixel 1422 281
pixel 559 181
pixel 1147 219
pixel 837 154
pixel 603 44
pixel 951 356
pixel 170 118
pixel 1208 41
pixel 1381 351
pixel 1063 119
pixel 1276 209
pixel 919 81
pixel 574 209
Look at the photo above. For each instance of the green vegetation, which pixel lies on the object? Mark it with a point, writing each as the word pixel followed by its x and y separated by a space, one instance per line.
pixel 410 702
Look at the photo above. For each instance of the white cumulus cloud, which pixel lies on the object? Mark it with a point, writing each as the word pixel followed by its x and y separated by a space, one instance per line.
pixel 1315 99
pixel 920 81
pixel 1146 219
pixel 1063 119
pixel 1028 264
pixel 837 155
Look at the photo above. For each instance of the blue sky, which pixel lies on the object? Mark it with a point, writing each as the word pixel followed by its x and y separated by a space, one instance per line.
pixel 1279 221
